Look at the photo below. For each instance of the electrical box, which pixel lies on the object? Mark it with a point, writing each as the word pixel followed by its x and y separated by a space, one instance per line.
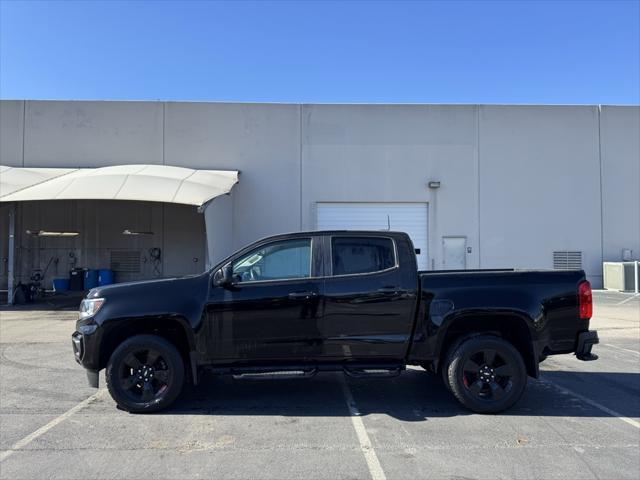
pixel 621 276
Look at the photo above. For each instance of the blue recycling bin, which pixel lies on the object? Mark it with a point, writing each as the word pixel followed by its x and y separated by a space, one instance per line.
pixel 60 285
pixel 90 279
pixel 105 277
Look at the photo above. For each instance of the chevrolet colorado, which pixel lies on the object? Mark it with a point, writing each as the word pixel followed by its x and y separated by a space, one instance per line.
pixel 352 301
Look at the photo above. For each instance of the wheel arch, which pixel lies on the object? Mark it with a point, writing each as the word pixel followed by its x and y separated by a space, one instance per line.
pixel 511 326
pixel 172 328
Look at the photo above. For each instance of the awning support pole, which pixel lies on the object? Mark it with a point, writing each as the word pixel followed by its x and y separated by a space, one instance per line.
pixel 12 254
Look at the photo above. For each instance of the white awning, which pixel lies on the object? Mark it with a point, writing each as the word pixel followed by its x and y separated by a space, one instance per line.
pixel 151 183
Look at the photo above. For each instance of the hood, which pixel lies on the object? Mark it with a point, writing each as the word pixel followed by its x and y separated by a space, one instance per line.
pixel 105 291
pixel 185 297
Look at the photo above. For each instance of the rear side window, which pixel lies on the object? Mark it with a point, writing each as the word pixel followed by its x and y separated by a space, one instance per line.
pixel 361 254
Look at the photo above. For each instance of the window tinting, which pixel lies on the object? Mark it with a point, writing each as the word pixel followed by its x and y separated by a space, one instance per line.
pixel 275 261
pixel 361 254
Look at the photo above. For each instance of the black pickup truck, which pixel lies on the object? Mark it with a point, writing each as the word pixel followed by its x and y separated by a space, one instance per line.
pixel 352 301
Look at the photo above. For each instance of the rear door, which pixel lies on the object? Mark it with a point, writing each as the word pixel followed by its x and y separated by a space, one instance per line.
pixel 368 305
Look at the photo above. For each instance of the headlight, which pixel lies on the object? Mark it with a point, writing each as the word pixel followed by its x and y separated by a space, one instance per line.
pixel 89 307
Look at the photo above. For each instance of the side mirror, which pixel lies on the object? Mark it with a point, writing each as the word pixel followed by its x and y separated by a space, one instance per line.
pixel 224 276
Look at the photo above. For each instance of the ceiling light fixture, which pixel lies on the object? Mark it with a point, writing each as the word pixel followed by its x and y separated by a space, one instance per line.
pixel 133 232
pixel 45 233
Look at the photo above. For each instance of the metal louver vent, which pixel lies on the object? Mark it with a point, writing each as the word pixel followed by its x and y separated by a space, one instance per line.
pixel 125 261
pixel 565 260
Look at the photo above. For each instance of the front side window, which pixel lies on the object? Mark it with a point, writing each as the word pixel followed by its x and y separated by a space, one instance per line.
pixel 276 261
pixel 351 255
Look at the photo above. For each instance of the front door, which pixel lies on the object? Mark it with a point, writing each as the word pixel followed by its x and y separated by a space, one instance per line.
pixel 272 309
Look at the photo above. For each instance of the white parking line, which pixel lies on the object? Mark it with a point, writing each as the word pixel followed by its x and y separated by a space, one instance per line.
pixel 375 469
pixel 44 429
pixel 597 405
pixel 628 299
pixel 620 348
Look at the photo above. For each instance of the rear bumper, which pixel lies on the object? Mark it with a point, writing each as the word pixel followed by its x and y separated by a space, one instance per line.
pixel 586 341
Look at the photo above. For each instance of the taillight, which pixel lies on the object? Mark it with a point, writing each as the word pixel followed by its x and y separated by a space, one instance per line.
pixel 585 300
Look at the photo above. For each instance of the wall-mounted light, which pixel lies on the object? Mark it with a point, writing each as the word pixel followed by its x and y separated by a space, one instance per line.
pixel 133 232
pixel 434 184
pixel 45 233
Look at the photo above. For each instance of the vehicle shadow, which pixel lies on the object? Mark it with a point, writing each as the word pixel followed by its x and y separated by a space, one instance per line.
pixel 413 396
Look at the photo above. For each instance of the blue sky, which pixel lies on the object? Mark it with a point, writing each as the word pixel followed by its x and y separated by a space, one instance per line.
pixel 573 52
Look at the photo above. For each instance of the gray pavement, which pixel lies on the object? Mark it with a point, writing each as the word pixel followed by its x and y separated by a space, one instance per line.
pixel 579 420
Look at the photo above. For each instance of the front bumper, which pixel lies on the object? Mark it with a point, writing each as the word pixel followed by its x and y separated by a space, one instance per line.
pixel 93 378
pixel 85 353
pixel 586 341
pixel 77 342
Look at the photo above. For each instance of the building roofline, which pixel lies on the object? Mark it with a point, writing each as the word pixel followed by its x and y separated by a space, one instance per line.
pixel 338 104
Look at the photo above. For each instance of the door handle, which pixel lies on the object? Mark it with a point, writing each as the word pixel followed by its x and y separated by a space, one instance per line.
pixel 305 295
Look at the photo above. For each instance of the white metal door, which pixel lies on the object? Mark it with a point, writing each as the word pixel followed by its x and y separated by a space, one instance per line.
pixel 400 217
pixel 454 253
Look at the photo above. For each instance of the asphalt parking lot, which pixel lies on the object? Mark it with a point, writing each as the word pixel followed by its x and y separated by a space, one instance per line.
pixel 580 420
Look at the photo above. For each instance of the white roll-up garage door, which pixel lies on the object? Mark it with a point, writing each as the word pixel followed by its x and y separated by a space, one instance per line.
pixel 400 217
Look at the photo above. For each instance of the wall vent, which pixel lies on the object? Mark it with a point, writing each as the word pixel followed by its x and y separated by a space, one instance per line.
pixel 125 261
pixel 565 260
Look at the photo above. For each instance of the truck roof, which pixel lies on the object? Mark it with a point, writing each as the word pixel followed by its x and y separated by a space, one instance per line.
pixel 392 233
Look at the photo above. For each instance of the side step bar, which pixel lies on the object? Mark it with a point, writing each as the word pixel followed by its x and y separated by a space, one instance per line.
pixel 275 374
pixel 373 371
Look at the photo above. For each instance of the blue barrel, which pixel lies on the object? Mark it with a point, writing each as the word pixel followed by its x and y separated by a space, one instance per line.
pixel 105 277
pixel 90 279
pixel 61 284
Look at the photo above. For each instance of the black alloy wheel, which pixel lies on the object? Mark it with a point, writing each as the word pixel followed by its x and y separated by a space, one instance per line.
pixel 145 374
pixel 485 373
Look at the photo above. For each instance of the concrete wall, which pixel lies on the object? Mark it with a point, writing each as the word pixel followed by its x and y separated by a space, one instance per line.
pixel 539 186
pixel 262 141
pixel 388 153
pixel 620 144
pixel 92 134
pixel 518 181
pixel 11 132
pixel 218 219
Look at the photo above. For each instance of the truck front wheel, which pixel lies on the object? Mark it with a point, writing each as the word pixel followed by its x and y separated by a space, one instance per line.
pixel 486 374
pixel 145 374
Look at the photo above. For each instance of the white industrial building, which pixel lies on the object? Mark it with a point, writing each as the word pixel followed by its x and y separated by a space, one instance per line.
pixel 476 186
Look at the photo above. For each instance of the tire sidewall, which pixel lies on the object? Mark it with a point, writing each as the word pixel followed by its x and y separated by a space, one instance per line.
pixel 470 347
pixel 168 352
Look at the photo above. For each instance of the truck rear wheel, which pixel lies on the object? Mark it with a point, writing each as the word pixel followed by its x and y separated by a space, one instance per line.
pixel 145 374
pixel 486 374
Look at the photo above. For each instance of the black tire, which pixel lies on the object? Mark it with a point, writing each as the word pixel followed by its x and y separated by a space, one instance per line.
pixel 145 374
pixel 444 367
pixel 444 371
pixel 486 374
